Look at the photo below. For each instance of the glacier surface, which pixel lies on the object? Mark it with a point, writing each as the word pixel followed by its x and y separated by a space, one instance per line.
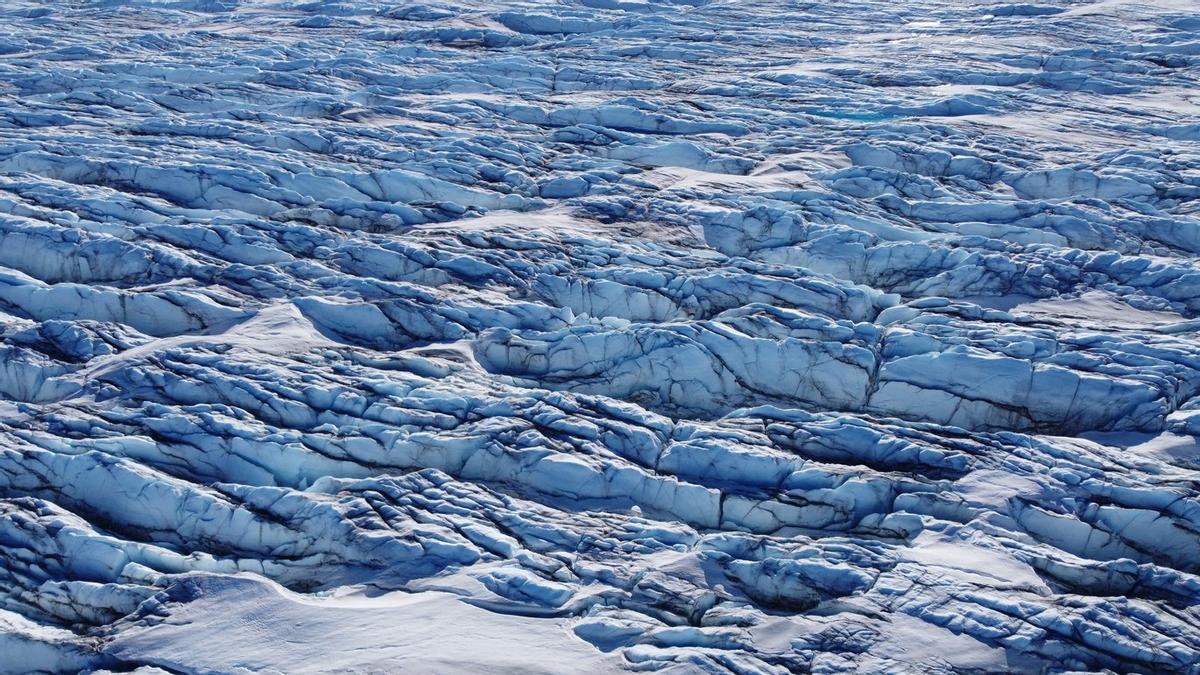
pixel 599 335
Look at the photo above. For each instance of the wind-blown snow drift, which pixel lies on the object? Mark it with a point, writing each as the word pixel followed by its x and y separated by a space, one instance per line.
pixel 599 335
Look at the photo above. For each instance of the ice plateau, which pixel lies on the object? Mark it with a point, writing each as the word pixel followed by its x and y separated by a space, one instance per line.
pixel 590 336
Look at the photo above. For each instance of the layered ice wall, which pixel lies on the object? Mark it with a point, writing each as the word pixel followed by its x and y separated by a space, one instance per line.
pixel 599 335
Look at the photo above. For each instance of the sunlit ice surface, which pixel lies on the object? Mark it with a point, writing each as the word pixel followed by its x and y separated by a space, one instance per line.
pixel 599 336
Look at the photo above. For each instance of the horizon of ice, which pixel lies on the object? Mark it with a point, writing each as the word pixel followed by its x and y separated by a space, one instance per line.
pixel 599 336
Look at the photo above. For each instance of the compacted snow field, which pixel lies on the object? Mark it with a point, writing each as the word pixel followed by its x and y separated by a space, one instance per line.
pixel 599 335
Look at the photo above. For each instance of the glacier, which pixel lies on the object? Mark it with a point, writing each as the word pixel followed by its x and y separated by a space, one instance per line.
pixel 599 336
